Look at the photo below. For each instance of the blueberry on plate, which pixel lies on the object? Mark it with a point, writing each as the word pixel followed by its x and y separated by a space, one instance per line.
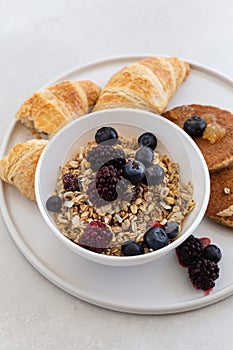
pixel 106 134
pixel 172 229
pixel 156 238
pixel 54 204
pixel 213 253
pixel 148 139
pixel 144 155
pixel 131 248
pixel 154 175
pixel 195 126
pixel 134 171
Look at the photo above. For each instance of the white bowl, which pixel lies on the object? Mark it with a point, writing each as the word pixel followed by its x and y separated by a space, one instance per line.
pixel 129 123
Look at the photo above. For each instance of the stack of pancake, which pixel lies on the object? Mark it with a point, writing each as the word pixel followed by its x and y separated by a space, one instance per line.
pixel 218 156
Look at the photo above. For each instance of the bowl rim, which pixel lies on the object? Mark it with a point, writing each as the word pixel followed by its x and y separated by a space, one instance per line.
pixel 123 260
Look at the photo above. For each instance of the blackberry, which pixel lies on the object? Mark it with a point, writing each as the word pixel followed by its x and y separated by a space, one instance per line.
pixel 93 195
pixel 96 237
pixel 101 154
pixel 118 163
pixel 189 250
pixel 202 273
pixel 71 182
pixel 107 186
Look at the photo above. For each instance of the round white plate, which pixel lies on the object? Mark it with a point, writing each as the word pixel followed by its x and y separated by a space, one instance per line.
pixel 160 287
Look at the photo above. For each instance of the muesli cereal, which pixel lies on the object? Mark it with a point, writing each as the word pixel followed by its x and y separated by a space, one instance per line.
pixel 114 204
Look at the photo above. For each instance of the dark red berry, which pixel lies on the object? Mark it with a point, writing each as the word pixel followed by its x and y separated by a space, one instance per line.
pixel 71 182
pixel 96 237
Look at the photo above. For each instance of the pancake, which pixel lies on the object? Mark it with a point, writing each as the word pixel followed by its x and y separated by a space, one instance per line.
pixel 219 154
pixel 220 207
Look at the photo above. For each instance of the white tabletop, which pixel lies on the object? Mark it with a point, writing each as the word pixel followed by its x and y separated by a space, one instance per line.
pixel 40 40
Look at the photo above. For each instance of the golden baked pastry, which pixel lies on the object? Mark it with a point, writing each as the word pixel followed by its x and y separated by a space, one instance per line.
pixel 220 206
pixel 148 84
pixel 19 165
pixel 47 109
pixel 219 154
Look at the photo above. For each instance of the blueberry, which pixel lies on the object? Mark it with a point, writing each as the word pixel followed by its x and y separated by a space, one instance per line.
pixel 54 204
pixel 134 171
pixel 172 229
pixel 144 155
pixel 106 134
pixel 154 175
pixel 131 248
pixel 155 238
pixel 148 139
pixel 213 253
pixel 195 126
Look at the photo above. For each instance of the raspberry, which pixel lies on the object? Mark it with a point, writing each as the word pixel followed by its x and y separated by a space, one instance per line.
pixel 102 154
pixel 71 182
pixel 189 250
pixel 96 237
pixel 202 273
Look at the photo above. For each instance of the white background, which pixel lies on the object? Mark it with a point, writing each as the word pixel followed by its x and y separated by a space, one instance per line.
pixel 40 40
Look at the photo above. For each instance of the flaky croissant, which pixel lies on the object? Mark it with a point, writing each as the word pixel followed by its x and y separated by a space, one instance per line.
pixel 47 109
pixel 147 84
pixel 18 167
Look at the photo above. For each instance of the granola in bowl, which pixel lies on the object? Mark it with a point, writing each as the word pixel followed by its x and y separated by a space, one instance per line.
pixel 121 197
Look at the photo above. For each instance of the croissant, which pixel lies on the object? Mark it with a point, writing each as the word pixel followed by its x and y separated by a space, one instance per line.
pixel 47 109
pixel 147 84
pixel 19 165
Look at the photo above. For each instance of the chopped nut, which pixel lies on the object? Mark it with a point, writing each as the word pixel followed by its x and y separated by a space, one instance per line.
pixel 227 190
pixel 134 208
pixel 138 201
pixel 68 204
pixel 125 225
pixel 74 164
pixel 134 226
pixel 68 195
